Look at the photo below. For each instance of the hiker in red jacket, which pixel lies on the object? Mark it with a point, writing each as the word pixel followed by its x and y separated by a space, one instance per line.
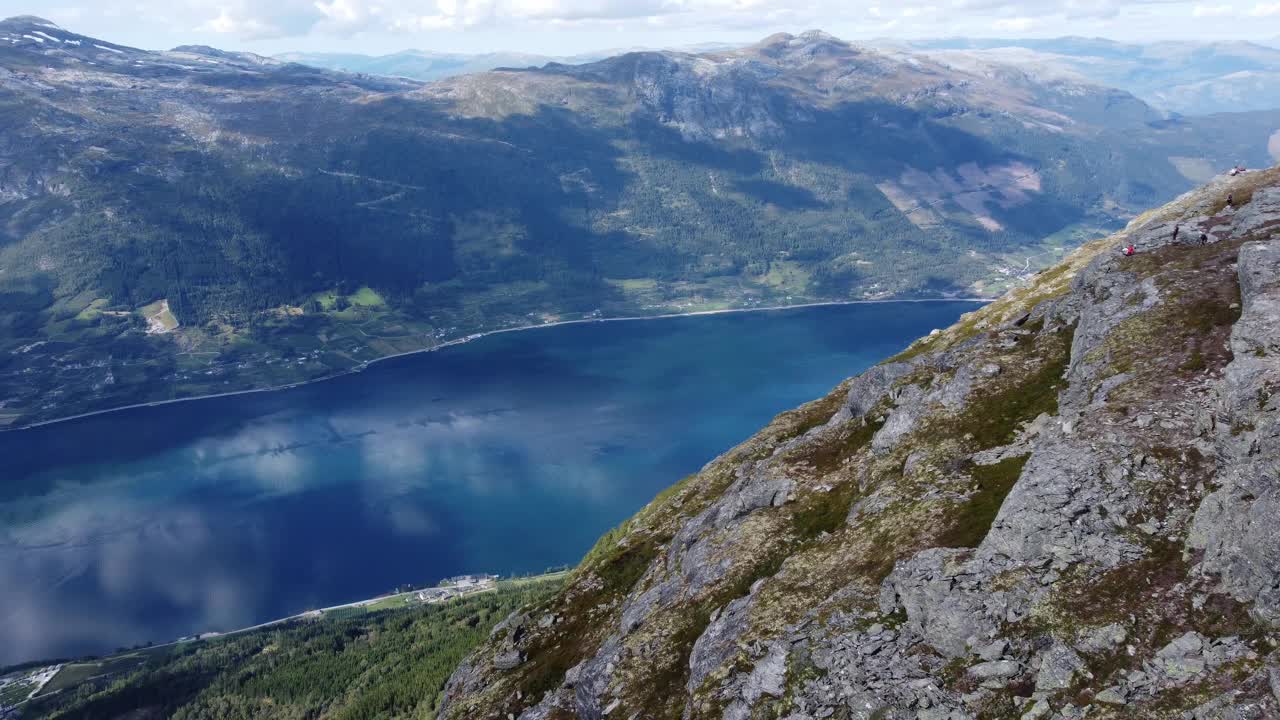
pixel 1128 252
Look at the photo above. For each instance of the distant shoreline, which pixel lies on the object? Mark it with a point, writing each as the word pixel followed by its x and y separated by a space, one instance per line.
pixel 479 335
pixel 316 614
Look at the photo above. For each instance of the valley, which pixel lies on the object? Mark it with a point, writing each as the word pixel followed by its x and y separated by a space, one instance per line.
pixel 789 378
pixel 297 223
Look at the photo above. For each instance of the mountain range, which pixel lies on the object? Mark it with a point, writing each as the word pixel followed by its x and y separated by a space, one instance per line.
pixel 429 65
pixel 175 224
pixel 1191 78
pixel 1186 77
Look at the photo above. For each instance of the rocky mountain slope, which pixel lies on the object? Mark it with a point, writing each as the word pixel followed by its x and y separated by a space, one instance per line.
pixel 1063 506
pixel 195 221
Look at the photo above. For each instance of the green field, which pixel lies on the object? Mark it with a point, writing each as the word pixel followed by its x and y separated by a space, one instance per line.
pixel 366 297
pixel 14 693
pixel 159 313
pixel 787 276
pixel 634 285
pixel 74 674
pixel 92 310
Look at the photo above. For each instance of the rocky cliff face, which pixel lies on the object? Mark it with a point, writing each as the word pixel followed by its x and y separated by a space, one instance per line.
pixel 1063 506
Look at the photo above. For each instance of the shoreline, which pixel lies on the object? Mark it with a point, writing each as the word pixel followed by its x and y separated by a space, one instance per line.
pixel 477 336
pixel 319 613
pixel 315 614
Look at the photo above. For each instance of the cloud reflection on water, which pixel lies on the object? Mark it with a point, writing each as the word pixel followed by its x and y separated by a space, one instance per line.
pixel 100 550
pixel 510 454
pixel 94 573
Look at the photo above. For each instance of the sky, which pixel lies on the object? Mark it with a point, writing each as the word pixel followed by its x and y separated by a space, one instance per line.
pixel 564 27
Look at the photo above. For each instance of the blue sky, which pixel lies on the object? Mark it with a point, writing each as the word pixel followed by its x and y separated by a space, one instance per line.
pixel 560 27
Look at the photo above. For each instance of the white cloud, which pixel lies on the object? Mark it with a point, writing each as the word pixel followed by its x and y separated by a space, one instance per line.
pixel 255 20
pixel 226 23
pixel 911 12
pixel 347 13
pixel 1017 24
pixel 473 13
pixel 528 24
pixel 1209 11
pixel 63 14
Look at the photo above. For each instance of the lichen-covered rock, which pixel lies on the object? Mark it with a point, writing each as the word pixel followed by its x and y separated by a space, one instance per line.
pixel 995 669
pixel 1102 639
pixel 1065 506
pixel 1238 526
pixel 1058 667
pixel 930 589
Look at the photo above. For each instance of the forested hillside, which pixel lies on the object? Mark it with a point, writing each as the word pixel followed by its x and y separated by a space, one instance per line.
pixel 385 664
pixel 176 224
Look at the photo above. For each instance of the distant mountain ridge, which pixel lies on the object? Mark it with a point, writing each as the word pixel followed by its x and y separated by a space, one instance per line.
pixel 1188 77
pixel 180 223
pixel 1192 78
pixel 420 64
pixel 428 65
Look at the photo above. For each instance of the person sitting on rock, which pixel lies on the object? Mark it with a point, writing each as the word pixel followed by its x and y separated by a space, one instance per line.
pixel 1129 251
pixel 1204 239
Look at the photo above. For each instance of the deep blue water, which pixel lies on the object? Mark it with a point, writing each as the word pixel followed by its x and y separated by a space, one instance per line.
pixel 509 454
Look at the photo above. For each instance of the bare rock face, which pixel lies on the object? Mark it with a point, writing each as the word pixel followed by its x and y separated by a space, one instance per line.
pixel 1238 525
pixel 1066 506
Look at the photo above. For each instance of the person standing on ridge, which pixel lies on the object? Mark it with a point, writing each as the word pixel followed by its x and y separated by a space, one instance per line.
pixel 1176 228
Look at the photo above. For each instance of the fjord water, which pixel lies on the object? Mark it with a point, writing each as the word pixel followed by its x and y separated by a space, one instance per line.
pixel 508 455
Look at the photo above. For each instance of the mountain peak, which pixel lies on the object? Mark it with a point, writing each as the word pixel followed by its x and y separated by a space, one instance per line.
pixel 215 53
pixel 806 45
pixel 816 35
pixel 777 39
pixel 31 20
